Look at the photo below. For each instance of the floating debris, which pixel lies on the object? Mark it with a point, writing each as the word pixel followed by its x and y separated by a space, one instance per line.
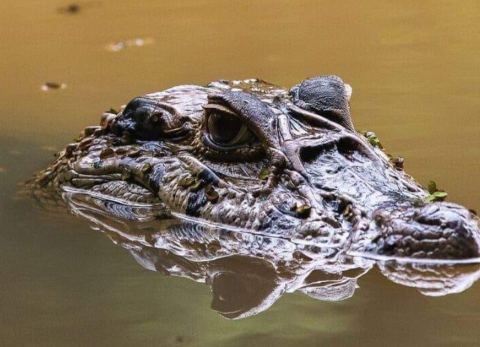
pixel 47 86
pixel 398 163
pixel 373 139
pixel 2 170
pixel 147 168
pixel 186 181
pixel 121 45
pixel 107 153
pixel 303 210
pixel 14 152
pixel 72 8
pixel 195 187
pixel 435 193
pixel 264 173
pixel 211 194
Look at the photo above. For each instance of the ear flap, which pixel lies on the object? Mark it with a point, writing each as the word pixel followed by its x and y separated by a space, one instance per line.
pixel 327 96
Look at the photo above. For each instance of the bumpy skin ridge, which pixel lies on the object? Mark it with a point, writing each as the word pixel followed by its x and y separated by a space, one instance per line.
pixel 292 166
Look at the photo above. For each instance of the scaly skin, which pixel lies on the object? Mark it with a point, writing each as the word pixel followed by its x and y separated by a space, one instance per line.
pixel 247 272
pixel 255 157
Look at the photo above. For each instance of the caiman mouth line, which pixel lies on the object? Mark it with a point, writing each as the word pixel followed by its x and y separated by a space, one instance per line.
pixel 181 216
pixel 251 157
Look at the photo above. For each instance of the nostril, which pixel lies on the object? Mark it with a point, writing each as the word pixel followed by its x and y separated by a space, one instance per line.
pixel 454 224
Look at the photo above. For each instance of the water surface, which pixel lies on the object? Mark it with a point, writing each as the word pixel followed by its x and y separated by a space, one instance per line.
pixel 415 71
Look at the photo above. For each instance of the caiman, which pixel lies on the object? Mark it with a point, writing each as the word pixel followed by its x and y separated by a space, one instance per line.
pixel 254 157
pixel 257 191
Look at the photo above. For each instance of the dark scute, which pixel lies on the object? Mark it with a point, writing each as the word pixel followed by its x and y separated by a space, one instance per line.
pixel 326 96
pixel 155 177
pixel 209 176
pixel 196 201
pixel 141 119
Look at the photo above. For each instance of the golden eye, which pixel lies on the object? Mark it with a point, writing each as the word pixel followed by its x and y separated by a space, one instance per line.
pixel 227 130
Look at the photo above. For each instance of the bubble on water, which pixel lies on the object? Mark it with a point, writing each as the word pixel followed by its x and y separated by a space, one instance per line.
pixel 136 42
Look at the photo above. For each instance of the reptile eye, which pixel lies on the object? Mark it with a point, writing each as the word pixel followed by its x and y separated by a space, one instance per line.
pixel 226 129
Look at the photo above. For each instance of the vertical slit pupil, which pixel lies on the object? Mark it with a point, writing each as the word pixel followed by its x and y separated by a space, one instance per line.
pixel 223 128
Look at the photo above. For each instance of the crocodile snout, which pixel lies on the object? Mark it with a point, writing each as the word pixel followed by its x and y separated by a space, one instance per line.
pixel 435 231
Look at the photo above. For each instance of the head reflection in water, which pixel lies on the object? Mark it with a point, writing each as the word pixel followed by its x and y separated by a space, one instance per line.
pixel 248 273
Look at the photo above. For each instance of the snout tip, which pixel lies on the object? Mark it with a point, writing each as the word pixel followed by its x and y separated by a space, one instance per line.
pixel 435 231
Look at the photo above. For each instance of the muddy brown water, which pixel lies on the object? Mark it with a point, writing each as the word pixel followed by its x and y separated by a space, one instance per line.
pixel 415 71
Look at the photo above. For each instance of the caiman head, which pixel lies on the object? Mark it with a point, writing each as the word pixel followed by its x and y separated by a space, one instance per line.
pixel 254 157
